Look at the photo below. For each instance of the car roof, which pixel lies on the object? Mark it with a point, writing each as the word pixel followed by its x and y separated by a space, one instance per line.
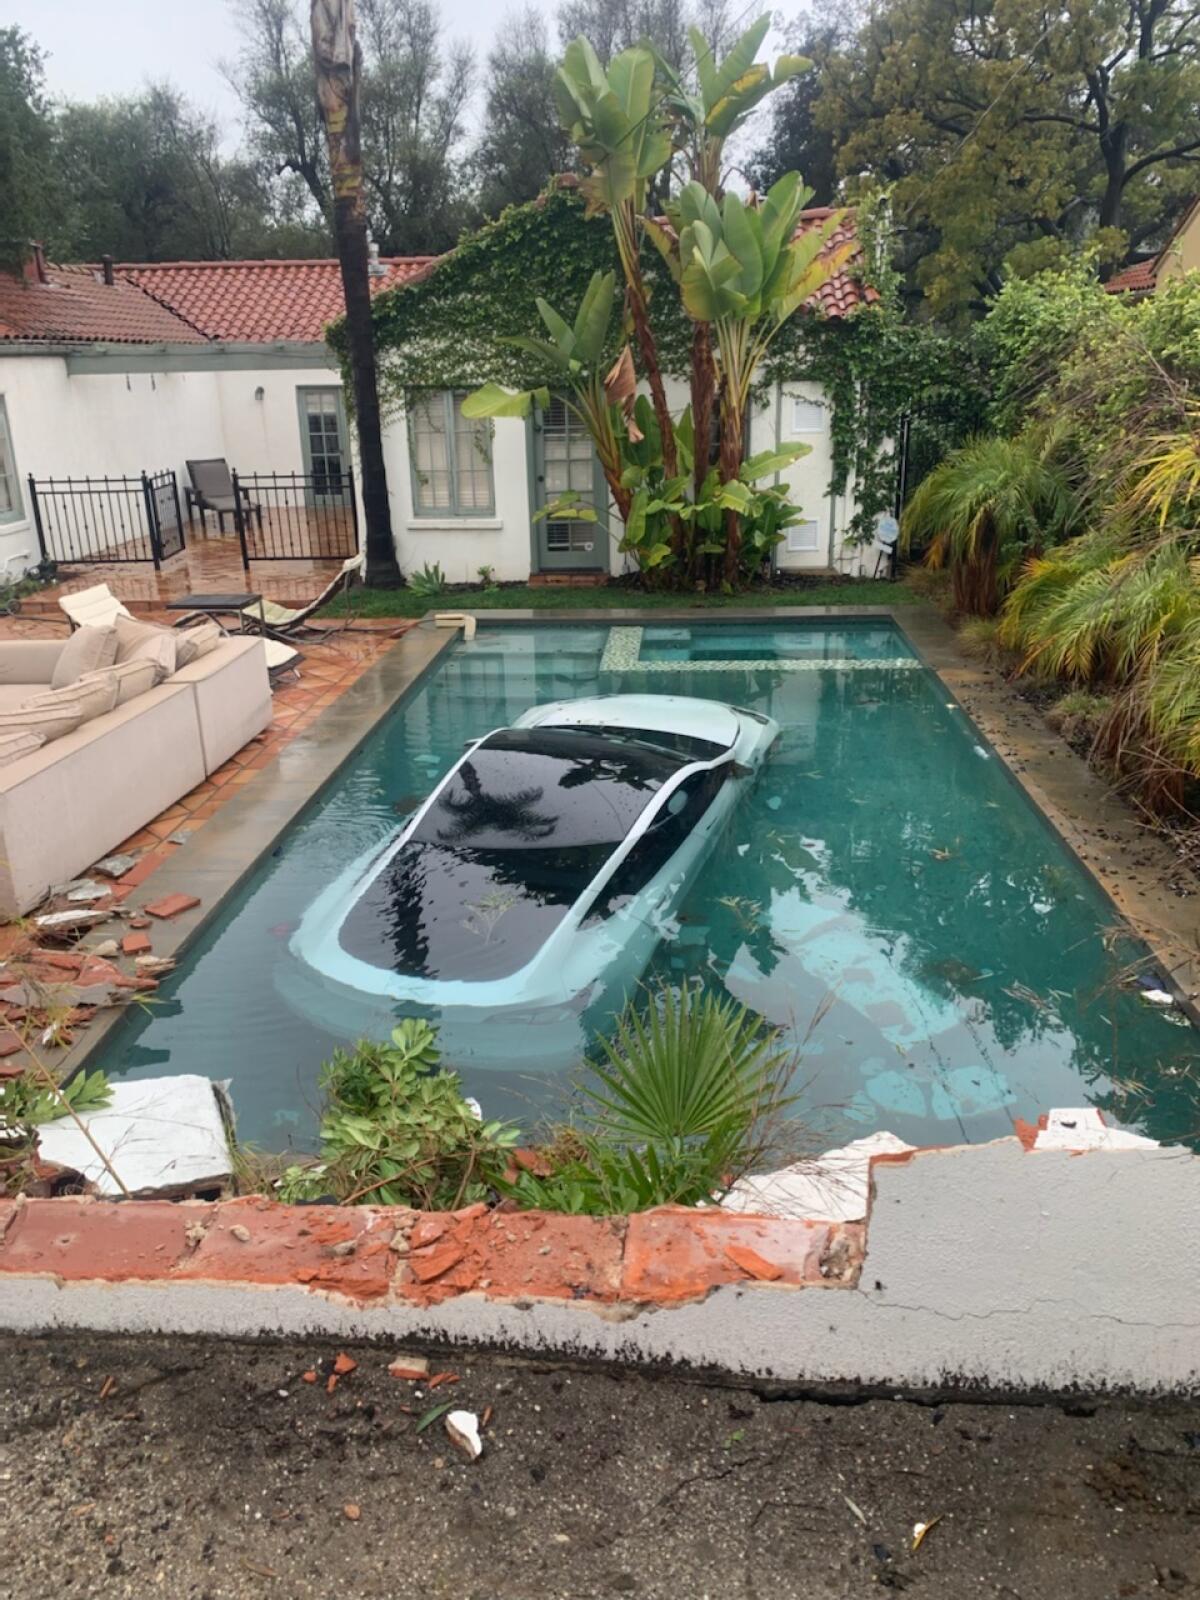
pixel 652 713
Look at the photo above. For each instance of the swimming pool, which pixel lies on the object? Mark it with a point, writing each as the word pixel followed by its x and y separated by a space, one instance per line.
pixel 885 892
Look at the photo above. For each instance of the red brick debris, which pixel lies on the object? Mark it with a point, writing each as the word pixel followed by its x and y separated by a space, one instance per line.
pixel 379 1255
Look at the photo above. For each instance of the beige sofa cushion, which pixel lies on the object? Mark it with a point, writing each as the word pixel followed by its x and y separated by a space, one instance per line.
pixel 196 641
pixel 131 678
pixel 15 745
pixel 51 721
pixel 86 650
pixel 142 641
pixel 94 699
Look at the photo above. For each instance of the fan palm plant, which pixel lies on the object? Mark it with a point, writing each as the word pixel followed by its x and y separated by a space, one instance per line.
pixel 985 510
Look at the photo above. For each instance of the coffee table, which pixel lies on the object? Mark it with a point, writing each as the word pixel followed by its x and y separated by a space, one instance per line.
pixel 218 605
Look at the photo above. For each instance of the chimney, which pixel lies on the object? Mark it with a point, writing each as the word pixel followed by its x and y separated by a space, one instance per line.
pixel 375 267
pixel 33 268
pixel 106 267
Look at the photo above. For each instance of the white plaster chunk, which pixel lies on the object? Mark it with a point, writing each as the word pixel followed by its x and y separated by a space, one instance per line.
pixel 1087 1130
pixel 833 1187
pixel 162 1136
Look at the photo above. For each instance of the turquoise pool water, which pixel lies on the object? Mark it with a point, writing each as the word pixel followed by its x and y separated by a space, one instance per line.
pixel 885 893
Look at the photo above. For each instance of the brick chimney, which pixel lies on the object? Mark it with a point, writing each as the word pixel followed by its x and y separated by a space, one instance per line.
pixel 33 267
pixel 106 267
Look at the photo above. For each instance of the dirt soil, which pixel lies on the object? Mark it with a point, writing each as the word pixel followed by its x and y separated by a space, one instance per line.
pixel 206 1471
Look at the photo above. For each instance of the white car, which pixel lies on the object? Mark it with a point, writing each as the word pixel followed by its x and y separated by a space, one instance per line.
pixel 543 869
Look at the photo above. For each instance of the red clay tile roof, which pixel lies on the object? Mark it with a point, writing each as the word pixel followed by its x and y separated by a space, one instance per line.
pixel 258 301
pixel 75 307
pixel 1137 279
pixel 844 292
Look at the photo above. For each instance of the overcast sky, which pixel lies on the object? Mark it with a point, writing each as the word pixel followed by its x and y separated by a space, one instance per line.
pixel 95 49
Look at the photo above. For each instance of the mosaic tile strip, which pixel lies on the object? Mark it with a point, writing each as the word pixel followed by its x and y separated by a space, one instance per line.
pixel 623 653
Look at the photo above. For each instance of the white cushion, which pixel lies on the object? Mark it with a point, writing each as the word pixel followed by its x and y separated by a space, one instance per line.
pixel 15 745
pixel 131 678
pixel 93 699
pixel 86 650
pixel 97 607
pixel 52 722
pixel 142 641
pixel 196 641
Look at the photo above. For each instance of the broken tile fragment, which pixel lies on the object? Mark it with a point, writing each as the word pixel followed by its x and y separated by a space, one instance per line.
pixel 135 944
pixel 114 866
pixel 171 906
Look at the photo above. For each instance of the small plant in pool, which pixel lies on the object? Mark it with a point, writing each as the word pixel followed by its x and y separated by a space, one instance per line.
pixel 690 1094
pixel 396 1130
pixel 429 583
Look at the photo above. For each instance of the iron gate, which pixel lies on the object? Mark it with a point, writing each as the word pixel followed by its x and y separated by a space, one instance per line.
pixel 289 516
pixel 102 521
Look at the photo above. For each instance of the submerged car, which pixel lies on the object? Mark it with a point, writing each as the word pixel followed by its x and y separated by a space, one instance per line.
pixel 544 868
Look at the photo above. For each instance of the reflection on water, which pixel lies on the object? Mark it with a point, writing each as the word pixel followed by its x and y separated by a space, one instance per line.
pixel 885 893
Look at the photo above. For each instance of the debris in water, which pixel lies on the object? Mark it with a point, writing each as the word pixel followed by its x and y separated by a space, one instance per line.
pixel 463 1429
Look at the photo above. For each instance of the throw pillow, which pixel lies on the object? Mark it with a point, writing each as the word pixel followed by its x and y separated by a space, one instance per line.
pixel 196 641
pixel 86 650
pixel 131 678
pixel 52 722
pixel 141 641
pixel 93 699
pixel 15 745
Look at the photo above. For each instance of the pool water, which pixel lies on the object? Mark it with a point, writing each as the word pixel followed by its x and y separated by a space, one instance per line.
pixel 885 893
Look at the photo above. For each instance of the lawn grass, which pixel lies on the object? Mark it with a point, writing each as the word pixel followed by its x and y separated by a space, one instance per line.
pixel 519 597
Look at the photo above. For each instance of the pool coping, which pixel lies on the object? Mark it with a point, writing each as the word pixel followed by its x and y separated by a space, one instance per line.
pixel 1093 824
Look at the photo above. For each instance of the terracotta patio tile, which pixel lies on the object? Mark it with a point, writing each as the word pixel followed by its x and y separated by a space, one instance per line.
pixel 171 906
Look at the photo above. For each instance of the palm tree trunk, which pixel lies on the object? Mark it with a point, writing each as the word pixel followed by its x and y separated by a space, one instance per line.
pixel 338 62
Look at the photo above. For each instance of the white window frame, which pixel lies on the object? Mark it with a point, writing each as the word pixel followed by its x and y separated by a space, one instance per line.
pixel 451 400
pixel 801 403
pixel 9 454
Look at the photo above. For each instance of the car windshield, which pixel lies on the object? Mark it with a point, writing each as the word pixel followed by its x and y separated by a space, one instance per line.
pixel 513 839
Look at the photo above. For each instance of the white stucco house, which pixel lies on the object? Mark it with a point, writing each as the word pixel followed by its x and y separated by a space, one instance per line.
pixel 122 369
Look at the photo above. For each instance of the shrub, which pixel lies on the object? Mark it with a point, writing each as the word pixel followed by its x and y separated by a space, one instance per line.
pixel 396 1130
pixel 689 1095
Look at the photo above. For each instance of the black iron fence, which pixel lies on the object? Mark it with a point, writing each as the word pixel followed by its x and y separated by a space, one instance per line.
pixel 107 520
pixel 288 516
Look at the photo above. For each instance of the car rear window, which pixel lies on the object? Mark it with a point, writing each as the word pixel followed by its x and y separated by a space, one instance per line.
pixel 524 788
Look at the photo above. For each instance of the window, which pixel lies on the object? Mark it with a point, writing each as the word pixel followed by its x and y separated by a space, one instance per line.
pixel 451 458
pixel 803 536
pixel 808 416
pixel 11 509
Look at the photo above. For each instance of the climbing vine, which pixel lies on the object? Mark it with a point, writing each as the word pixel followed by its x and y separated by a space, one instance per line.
pixel 446 331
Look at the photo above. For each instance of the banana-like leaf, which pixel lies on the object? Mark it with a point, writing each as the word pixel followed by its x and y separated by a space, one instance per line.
pixel 542 348
pixel 560 329
pixel 768 462
pixel 810 280
pixel 735 496
pixel 493 401
pixel 742 233
pixel 666 243
pixel 593 317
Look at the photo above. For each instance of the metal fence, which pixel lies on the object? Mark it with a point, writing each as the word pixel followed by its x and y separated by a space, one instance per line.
pixel 107 520
pixel 289 516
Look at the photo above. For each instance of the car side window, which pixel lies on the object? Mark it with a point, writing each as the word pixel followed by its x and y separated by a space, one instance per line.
pixel 659 843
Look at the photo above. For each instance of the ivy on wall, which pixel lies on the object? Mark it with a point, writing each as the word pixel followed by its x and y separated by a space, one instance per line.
pixel 447 330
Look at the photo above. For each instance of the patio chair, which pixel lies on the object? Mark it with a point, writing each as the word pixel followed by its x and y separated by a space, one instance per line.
pixel 97 607
pixel 286 622
pixel 211 489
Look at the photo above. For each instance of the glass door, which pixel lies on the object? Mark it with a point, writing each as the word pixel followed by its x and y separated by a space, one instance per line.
pixel 564 460
pixel 324 440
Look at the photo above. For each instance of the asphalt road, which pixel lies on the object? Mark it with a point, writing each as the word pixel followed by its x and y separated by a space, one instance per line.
pixel 206 1471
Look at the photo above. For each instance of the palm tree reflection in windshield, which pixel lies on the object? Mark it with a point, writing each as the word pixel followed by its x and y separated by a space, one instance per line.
pixel 478 813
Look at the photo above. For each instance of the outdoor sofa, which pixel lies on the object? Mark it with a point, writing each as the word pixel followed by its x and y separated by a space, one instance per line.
pixel 104 750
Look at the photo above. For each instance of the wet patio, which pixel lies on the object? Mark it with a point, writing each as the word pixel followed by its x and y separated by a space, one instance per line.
pixel 208 565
